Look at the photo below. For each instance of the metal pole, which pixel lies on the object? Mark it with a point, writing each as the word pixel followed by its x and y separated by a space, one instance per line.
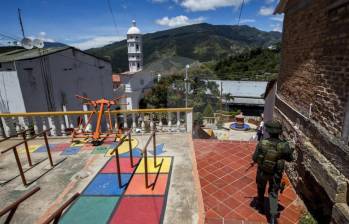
pixel 27 148
pixel 118 166
pixel 48 149
pixel 186 86
pixel 19 166
pixel 130 148
pixel 146 168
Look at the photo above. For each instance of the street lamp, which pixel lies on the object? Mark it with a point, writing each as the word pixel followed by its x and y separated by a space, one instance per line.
pixel 186 85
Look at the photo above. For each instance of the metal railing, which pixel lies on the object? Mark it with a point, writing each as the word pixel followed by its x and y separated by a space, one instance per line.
pixel 127 136
pixel 56 216
pixel 62 123
pixel 25 141
pixel 11 209
pixel 145 158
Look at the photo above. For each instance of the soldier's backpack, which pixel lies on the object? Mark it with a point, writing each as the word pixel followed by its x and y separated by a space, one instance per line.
pixel 271 154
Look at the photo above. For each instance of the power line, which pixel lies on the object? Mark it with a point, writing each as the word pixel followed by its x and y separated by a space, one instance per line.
pixel 112 14
pixel 9 37
pixel 241 8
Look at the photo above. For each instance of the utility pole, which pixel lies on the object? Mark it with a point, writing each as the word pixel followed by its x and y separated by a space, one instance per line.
pixel 21 22
pixel 186 85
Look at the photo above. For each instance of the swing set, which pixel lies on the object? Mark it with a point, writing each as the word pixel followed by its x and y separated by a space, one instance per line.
pixel 102 108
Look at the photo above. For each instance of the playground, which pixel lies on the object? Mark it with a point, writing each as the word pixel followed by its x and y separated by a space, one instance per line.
pixel 94 184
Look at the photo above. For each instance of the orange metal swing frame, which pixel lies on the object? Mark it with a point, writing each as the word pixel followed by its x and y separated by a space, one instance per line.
pixel 101 108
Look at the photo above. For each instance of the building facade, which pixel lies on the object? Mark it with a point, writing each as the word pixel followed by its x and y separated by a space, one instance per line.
pixel 312 100
pixel 49 79
pixel 135 48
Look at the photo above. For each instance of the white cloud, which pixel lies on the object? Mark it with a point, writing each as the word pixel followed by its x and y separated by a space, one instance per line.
pixel 247 21
pixel 178 21
pixel 205 5
pixel 159 1
pixel 98 41
pixel 266 11
pixel 277 27
pixel 279 18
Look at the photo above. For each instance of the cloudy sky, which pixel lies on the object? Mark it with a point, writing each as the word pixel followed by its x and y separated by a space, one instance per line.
pixel 90 23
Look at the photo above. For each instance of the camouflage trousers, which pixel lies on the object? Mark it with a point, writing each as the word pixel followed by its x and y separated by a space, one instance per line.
pixel 274 181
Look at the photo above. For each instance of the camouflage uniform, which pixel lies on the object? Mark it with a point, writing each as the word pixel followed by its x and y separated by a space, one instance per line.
pixel 270 155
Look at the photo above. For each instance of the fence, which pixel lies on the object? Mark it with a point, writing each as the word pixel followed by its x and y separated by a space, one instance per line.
pixel 62 123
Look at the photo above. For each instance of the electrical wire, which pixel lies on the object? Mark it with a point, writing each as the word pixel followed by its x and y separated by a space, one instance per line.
pixel 113 16
pixel 241 8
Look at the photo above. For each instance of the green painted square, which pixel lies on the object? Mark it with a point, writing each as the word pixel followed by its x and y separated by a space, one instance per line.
pixel 90 210
pixel 100 150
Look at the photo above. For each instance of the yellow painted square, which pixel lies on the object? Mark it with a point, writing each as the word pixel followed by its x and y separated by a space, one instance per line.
pixel 165 168
pixel 124 147
pixel 32 148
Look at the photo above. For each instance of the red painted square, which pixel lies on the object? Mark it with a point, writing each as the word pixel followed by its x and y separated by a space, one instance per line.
pixel 145 210
pixel 125 165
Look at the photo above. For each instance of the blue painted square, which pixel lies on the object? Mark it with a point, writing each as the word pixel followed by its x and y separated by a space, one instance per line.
pixel 159 149
pixel 107 185
pixel 136 152
pixel 43 148
pixel 71 151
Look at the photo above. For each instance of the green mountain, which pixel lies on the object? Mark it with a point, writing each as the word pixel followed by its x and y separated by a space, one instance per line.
pixel 202 42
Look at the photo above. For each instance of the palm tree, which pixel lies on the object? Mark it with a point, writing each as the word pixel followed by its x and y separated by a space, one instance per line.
pixel 228 97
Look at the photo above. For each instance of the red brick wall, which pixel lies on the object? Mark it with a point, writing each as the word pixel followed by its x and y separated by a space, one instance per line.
pixel 315 60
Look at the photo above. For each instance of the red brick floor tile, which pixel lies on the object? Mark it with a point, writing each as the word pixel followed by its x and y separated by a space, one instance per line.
pixel 256 217
pixel 244 211
pixel 220 183
pixel 221 209
pixel 213 221
pixel 232 203
pixel 233 215
pixel 221 195
pixel 229 188
pixel 211 201
pixel 211 214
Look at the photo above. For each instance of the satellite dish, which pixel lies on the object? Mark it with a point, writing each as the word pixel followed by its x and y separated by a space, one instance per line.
pixel 27 43
pixel 38 43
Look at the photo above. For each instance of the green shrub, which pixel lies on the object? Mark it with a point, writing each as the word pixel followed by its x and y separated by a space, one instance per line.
pixel 208 111
pixel 307 218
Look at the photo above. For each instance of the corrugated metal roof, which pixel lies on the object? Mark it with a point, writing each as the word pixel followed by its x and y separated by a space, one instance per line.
pixel 23 54
pixel 248 89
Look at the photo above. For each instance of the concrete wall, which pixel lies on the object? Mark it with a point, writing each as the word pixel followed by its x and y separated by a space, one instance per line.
pixel 11 98
pixel 65 74
pixel 269 104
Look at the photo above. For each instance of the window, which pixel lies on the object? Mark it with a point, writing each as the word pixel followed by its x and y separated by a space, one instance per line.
pixel 138 66
pixel 0 65
pixel 137 47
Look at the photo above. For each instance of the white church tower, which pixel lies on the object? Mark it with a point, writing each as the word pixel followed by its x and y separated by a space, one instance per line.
pixel 135 48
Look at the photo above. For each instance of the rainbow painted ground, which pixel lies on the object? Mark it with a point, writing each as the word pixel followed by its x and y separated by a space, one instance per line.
pixel 103 201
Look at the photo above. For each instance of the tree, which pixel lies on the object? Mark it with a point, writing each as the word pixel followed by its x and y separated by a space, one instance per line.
pixel 208 111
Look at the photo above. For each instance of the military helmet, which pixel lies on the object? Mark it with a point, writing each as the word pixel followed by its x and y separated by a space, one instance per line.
pixel 273 127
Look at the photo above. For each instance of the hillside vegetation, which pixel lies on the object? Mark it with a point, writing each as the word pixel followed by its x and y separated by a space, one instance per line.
pixel 199 42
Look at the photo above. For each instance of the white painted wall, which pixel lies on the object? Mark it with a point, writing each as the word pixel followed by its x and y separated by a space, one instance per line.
pixel 72 73
pixel 269 104
pixel 11 98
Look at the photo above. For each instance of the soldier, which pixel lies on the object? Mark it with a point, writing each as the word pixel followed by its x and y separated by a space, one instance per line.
pixel 270 155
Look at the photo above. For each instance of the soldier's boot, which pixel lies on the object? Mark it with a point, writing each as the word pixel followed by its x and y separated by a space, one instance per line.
pixel 273 219
pixel 260 201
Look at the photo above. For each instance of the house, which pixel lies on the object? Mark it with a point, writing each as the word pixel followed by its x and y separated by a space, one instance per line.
pixel 49 79
pixel 247 96
pixel 312 101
